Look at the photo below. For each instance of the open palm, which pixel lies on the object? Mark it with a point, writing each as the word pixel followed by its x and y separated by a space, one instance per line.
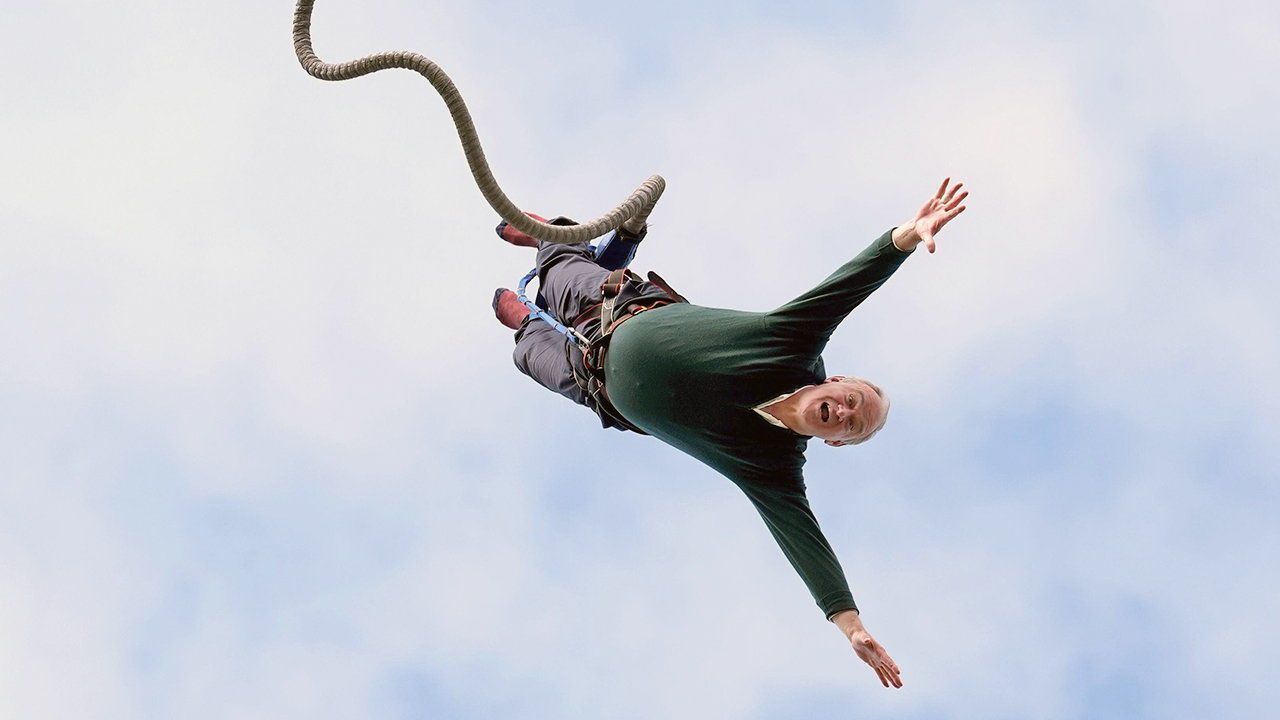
pixel 939 210
pixel 873 653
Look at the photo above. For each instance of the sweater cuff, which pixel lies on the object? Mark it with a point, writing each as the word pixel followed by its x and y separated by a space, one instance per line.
pixel 887 238
pixel 836 602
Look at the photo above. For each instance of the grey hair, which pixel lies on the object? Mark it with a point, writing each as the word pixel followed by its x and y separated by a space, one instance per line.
pixel 884 418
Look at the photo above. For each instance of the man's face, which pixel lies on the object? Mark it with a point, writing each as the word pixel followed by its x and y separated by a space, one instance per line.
pixel 841 410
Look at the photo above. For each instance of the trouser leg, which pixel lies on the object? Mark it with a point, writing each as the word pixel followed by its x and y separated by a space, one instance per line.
pixel 569 279
pixel 540 354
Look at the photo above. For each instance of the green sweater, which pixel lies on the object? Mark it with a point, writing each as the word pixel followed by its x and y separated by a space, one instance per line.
pixel 690 376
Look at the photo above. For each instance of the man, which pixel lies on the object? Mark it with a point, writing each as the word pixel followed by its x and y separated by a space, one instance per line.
pixel 743 392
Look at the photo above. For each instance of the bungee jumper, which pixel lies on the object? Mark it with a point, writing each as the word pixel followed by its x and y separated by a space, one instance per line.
pixel 743 392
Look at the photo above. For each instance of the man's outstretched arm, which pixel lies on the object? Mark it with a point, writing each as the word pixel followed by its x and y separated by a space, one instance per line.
pixel 812 317
pixel 787 514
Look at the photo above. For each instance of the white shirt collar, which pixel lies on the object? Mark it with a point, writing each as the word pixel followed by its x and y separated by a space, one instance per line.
pixel 771 419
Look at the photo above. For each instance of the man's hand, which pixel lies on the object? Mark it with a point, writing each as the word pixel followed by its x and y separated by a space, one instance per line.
pixel 871 652
pixel 936 212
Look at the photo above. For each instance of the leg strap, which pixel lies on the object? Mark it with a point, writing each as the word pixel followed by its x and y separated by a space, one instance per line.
pixel 610 289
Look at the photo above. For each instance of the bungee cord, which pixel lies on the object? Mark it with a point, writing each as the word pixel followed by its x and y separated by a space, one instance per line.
pixel 631 214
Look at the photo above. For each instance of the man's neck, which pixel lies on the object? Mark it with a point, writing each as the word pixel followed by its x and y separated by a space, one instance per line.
pixel 787 409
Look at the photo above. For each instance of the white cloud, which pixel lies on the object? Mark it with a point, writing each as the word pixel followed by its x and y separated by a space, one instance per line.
pixel 244 293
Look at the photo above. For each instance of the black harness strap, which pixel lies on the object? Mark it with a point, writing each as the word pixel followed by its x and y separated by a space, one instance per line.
pixel 656 279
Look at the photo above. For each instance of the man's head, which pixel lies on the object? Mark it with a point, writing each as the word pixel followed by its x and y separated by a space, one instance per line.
pixel 841 411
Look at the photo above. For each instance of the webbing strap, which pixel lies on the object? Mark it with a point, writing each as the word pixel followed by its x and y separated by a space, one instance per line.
pixel 610 289
pixel 656 279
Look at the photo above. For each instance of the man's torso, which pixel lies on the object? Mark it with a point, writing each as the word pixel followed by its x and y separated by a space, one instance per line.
pixel 692 376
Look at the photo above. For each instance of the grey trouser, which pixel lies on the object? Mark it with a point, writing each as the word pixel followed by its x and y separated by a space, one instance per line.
pixel 569 282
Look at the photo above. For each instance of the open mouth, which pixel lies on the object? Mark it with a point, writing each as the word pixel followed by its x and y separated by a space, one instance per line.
pixel 826 412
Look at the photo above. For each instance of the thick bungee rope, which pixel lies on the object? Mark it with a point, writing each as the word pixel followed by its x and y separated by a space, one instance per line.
pixel 630 214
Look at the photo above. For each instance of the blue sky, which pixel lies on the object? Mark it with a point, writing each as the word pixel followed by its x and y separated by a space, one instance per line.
pixel 267 456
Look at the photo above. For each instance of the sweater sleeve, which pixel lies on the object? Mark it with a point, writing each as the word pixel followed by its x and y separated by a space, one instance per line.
pixel 813 316
pixel 786 513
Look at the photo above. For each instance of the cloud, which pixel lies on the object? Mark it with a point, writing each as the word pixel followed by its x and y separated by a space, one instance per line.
pixel 268 456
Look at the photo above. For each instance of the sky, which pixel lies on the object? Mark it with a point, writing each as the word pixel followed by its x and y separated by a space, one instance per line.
pixel 266 454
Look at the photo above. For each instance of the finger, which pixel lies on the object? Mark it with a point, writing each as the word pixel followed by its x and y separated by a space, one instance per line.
pixel 957 199
pixel 888 661
pixel 891 669
pixel 951 215
pixel 927 236
pixel 884 679
pixel 943 189
pixel 888 675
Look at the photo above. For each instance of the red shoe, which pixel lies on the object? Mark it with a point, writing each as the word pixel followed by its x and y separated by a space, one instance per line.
pixel 508 308
pixel 515 237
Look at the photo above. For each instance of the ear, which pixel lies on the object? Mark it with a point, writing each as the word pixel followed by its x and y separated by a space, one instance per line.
pixel 834 443
pixel 835 378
